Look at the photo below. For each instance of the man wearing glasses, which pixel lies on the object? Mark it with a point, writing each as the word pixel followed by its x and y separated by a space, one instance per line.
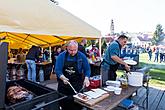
pixel 71 67
pixel 112 57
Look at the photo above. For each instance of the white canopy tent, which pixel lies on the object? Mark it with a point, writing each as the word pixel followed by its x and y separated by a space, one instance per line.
pixel 40 22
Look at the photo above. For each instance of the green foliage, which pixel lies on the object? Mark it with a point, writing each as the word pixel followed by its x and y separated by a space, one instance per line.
pixel 157 35
pixel 158 74
pixel 88 43
pixel 103 43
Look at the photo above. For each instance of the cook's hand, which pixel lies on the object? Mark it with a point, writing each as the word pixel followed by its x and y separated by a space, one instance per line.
pixel 64 79
pixel 127 67
pixel 86 82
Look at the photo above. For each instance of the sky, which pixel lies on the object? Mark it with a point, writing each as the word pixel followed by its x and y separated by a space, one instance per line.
pixel 128 15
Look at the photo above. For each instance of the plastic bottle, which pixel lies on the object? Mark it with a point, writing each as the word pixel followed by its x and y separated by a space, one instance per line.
pixel 125 81
pixel 93 58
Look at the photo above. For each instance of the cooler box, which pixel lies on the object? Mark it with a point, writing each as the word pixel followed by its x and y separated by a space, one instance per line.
pixel 94 82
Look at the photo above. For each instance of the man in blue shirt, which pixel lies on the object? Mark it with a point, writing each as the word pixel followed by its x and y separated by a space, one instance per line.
pixel 71 66
pixel 112 57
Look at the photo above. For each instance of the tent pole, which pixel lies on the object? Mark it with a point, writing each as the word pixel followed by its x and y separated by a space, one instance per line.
pixel 50 53
pixel 100 46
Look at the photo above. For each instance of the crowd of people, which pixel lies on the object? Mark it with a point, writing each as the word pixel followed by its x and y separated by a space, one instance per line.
pixel 157 52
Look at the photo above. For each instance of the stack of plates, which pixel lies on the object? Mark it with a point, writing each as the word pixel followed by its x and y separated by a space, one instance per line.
pixel 113 83
pixel 95 93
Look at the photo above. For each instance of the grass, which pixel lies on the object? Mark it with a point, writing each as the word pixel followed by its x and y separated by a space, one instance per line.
pixel 143 59
pixel 157 78
pixel 157 71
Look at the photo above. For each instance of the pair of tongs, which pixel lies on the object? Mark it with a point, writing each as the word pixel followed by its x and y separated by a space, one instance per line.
pixel 72 87
pixel 82 89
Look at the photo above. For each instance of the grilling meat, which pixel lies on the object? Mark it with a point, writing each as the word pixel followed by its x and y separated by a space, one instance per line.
pixel 82 96
pixel 17 93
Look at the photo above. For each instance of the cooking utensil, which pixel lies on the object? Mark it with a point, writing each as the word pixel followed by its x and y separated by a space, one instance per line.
pixel 82 89
pixel 72 87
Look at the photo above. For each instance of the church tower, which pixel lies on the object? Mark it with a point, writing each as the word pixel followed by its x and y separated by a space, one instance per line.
pixel 112 28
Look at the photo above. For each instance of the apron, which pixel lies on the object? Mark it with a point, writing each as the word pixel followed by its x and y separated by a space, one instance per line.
pixel 70 71
pixel 113 68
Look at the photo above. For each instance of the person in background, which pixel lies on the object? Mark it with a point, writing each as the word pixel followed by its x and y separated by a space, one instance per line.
pixel 164 54
pixel 88 53
pixel 81 46
pixel 45 55
pixel 20 56
pixel 149 51
pixel 161 52
pixel 10 54
pixel 53 55
pixel 57 50
pixel 63 47
pixel 31 57
pixel 156 54
pixel 71 66
pixel 123 52
pixel 112 57
pixel 95 51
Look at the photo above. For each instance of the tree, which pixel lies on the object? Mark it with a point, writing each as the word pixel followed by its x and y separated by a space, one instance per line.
pixel 103 46
pixel 157 35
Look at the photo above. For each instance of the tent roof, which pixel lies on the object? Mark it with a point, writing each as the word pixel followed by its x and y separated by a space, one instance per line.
pixel 41 22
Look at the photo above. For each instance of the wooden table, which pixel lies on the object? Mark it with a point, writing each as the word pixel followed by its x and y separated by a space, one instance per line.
pixel 113 100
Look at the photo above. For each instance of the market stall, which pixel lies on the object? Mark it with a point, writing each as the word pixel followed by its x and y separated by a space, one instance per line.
pixel 45 24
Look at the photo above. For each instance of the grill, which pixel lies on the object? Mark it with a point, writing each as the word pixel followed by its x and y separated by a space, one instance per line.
pixel 44 97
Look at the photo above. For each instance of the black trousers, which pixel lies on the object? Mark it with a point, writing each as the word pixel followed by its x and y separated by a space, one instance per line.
pixel 112 75
pixel 69 104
